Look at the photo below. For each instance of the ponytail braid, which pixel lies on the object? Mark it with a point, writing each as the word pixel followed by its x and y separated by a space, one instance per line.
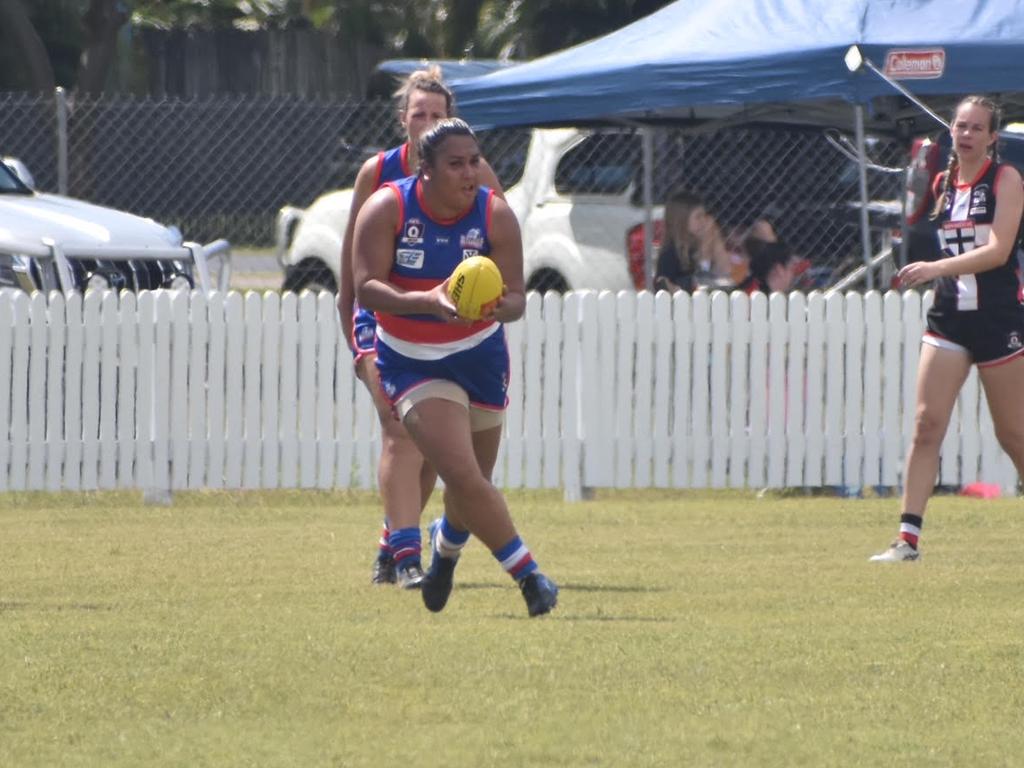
pixel 947 181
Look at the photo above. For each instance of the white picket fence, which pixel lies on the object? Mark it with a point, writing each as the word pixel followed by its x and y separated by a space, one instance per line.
pixel 175 390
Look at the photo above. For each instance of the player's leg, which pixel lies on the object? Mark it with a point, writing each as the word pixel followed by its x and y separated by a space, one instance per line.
pixel 1003 383
pixel 402 475
pixel 940 375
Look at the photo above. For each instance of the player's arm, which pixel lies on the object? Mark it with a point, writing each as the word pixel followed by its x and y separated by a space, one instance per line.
pixel 1009 209
pixel 366 179
pixel 373 254
pixel 507 253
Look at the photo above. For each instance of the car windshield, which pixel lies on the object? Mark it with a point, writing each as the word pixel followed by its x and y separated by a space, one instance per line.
pixel 9 183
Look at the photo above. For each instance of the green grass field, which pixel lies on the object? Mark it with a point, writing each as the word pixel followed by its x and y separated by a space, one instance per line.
pixel 694 629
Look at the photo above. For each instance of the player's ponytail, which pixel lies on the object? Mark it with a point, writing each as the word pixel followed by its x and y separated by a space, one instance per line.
pixel 947 180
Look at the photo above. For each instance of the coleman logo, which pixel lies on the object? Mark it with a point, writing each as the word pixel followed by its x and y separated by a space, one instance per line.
pixel 925 64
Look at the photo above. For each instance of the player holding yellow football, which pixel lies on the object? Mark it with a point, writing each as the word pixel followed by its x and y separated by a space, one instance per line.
pixel 447 376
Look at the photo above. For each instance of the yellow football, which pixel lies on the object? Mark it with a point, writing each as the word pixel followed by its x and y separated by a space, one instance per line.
pixel 475 286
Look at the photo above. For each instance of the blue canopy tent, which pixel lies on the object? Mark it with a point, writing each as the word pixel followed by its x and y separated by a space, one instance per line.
pixel 768 61
pixel 763 61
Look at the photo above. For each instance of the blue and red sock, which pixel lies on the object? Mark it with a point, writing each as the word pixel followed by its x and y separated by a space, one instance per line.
pixel 516 559
pixel 405 545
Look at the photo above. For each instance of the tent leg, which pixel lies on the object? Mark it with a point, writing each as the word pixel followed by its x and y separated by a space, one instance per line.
pixel 647 147
pixel 862 163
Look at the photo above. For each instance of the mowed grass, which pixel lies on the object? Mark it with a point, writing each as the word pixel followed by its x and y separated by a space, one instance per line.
pixel 693 629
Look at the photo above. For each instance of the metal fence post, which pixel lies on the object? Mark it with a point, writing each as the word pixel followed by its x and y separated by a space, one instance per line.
pixel 647 148
pixel 60 96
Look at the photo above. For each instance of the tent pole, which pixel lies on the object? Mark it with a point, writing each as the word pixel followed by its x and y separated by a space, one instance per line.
pixel 862 163
pixel 647 144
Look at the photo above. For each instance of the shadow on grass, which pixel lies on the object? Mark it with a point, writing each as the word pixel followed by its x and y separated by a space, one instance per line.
pixel 14 606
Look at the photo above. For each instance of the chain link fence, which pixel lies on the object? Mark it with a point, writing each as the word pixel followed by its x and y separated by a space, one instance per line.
pixel 224 167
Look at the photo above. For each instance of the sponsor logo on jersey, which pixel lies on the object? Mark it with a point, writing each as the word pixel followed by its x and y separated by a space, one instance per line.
pixel 412 234
pixel 958 236
pixel 468 253
pixel 472 238
pixel 979 201
pixel 410 258
pixel 1013 340
pixel 442 240
pixel 364 337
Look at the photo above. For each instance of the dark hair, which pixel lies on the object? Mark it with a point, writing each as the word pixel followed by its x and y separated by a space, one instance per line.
pixel 765 256
pixel 995 120
pixel 434 136
pixel 428 80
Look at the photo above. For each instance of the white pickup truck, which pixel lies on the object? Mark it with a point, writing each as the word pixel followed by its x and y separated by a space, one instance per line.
pixel 53 242
pixel 576 201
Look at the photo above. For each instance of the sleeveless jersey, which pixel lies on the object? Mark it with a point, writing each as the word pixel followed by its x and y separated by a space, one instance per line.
pixel 427 249
pixel 392 165
pixel 965 224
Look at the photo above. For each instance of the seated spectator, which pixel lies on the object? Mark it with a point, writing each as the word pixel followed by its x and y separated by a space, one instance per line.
pixel 772 266
pixel 693 253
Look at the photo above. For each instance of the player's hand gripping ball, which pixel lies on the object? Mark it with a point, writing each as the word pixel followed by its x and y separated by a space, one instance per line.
pixel 475 287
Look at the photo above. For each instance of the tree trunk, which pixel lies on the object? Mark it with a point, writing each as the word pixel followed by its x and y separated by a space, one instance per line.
pixel 100 25
pixel 22 34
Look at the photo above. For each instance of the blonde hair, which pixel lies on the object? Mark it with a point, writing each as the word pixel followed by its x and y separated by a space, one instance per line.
pixel 678 208
pixel 428 80
pixel 994 121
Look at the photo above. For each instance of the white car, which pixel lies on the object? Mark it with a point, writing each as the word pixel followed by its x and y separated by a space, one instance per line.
pixel 51 242
pixel 576 201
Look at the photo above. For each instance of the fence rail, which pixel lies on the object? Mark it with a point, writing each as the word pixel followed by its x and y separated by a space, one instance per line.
pixel 176 390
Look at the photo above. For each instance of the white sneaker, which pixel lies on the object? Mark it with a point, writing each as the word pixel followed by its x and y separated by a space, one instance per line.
pixel 898 552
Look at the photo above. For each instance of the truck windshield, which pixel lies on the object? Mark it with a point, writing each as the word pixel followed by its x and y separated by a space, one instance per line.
pixel 9 183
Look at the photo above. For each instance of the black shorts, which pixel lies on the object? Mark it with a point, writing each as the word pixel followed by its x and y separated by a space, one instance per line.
pixel 990 336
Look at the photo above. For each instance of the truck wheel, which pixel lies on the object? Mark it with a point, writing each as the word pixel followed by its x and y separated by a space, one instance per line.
pixel 311 274
pixel 544 280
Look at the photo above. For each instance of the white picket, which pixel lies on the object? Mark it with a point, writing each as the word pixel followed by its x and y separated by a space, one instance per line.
pixel 199 327
pixel 682 354
pixel 662 447
pixel 270 363
pixel 701 417
pixel 328 330
pixel 109 362
pixel 625 388
pixel 72 469
pixel 572 406
pixel 344 382
pixel 835 378
pixel 970 439
pixel 234 392
pixel 8 330
pixel 509 469
pixel 767 422
pixel 55 347
pixel 792 321
pixel 127 396
pixel 533 391
pixel 719 388
pixel 551 421
pixel 253 383
pixel 162 392
pixel 178 400
pixel 289 424
pixel 814 427
pixel 604 428
pixel 217 361
pixel 873 377
pixel 643 390
pixel 38 333
pixel 588 389
pixel 367 438
pixel 852 396
pixel 739 391
pixel 91 390
pixel 913 327
pixel 19 393
pixel 892 391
